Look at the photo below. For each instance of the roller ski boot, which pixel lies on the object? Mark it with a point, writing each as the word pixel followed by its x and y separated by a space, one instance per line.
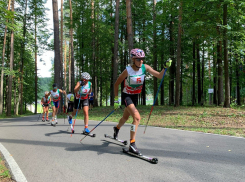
pixel 43 120
pixel 53 123
pixel 70 119
pixel 133 149
pixel 116 131
pixel 47 119
pixel 115 136
pixel 136 153
pixel 87 132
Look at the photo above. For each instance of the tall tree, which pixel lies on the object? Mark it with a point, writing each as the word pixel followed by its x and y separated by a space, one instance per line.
pixel 226 64
pixel 22 60
pixel 129 27
pixel 115 57
pixel 11 65
pixel 57 66
pixel 72 76
pixel 178 67
pixel 3 56
pixel 154 49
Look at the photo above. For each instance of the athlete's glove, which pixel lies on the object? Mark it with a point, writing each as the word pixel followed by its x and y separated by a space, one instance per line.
pixel 43 105
pixel 82 83
pixel 116 103
pixel 167 63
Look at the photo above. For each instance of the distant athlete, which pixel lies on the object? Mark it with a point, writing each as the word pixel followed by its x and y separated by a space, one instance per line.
pixel 82 90
pixel 45 104
pixel 55 97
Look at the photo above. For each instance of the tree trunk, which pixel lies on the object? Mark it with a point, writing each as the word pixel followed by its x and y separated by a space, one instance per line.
pixel 215 76
pixel 154 51
pixel 129 27
pixel 177 91
pixel 57 66
pixel 238 98
pixel 11 64
pixel 65 68
pixel 226 64
pixel 2 70
pixel 194 74
pixel 35 61
pixel 220 73
pixel 115 57
pixel 22 62
pixel 198 75
pixel 172 68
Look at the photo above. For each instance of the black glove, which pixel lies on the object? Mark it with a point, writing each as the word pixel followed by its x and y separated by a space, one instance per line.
pixel 82 83
pixel 43 105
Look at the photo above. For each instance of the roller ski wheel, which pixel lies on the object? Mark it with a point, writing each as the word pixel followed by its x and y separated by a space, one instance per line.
pixel 53 124
pixel 91 135
pixel 149 159
pixel 124 142
pixel 72 131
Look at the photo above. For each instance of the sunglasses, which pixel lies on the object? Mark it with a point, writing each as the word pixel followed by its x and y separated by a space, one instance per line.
pixel 139 59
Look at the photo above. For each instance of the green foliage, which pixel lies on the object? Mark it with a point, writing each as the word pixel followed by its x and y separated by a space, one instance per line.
pixel 45 84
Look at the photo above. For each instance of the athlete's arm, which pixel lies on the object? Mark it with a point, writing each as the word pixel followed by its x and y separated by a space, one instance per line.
pixel 121 77
pixel 77 87
pixel 154 72
pixel 90 89
pixel 42 101
pixel 62 91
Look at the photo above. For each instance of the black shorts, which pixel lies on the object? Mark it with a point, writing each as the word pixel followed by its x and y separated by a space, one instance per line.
pixel 128 99
pixel 82 103
pixel 91 102
pixel 70 107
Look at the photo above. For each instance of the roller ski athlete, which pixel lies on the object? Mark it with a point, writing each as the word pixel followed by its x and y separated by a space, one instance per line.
pixel 133 77
pixel 55 96
pixel 82 89
pixel 45 104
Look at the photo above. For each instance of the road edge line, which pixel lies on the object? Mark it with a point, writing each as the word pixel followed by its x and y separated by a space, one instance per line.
pixel 13 166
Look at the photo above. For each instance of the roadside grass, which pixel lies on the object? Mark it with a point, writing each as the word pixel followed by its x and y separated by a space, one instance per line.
pixel 4 172
pixel 217 120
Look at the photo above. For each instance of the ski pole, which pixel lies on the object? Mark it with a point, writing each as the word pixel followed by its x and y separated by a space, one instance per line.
pixel 155 99
pixel 77 111
pixel 76 114
pixel 96 126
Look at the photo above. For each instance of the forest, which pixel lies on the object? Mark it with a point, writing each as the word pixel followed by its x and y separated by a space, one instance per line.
pixel 204 39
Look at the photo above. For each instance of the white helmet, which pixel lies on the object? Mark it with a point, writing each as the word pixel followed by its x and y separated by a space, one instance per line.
pixel 86 76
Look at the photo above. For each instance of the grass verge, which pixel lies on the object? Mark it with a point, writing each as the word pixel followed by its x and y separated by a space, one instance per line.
pixel 4 172
pixel 217 120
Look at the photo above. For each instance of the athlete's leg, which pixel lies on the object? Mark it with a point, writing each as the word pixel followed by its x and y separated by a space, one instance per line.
pixel 43 113
pixel 136 120
pixel 124 118
pixel 85 113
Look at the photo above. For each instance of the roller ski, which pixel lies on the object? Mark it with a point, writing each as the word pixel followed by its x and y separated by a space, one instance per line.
pixel 124 142
pixel 87 132
pixel 134 152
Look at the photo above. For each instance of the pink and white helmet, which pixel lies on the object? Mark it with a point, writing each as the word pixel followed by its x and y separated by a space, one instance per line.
pixel 137 53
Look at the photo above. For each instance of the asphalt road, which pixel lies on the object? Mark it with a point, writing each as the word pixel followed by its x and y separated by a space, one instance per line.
pixel 50 154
